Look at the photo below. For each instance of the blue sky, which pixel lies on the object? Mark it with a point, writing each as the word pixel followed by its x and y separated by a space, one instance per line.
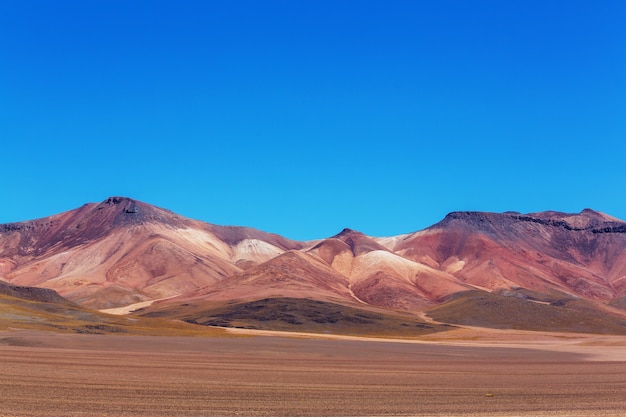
pixel 304 117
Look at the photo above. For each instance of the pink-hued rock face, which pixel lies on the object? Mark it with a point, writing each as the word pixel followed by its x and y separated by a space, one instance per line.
pixel 581 254
pixel 122 252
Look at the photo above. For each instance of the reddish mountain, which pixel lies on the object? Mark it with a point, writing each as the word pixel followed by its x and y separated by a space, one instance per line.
pixel 580 254
pixel 291 274
pixel 382 278
pixel 122 252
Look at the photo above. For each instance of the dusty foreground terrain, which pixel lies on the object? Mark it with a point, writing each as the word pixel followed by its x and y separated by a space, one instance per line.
pixel 51 375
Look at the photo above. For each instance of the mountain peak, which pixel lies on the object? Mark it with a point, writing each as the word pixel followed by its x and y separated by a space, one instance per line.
pixel 127 204
pixel 587 219
pixel 117 200
pixel 358 242
pixel 599 215
pixel 124 210
pixel 348 232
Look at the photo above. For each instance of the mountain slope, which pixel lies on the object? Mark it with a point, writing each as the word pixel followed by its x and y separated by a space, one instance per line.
pixel 292 274
pixel 29 308
pixel 526 310
pixel 295 314
pixel 122 251
pixel 581 254
pixel 381 278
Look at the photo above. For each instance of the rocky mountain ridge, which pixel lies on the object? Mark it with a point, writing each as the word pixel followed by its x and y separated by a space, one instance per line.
pixel 123 252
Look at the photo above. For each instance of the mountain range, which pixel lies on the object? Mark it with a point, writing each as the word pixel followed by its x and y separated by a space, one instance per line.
pixel 540 271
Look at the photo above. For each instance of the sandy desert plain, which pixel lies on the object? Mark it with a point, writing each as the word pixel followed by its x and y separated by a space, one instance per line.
pixel 463 372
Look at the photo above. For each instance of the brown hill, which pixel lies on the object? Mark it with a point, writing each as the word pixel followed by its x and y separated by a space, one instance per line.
pixel 42 295
pixel 527 310
pixel 295 314
pixel 29 308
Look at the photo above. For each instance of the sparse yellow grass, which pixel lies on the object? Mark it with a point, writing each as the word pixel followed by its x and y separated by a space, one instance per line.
pixel 17 313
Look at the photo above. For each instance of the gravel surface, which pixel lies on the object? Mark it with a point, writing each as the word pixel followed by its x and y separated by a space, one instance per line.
pixel 82 375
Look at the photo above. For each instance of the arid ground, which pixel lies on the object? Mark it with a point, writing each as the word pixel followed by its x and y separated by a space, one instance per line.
pixel 495 374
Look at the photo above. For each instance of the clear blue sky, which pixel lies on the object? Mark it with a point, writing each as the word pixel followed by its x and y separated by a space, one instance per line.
pixel 304 117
